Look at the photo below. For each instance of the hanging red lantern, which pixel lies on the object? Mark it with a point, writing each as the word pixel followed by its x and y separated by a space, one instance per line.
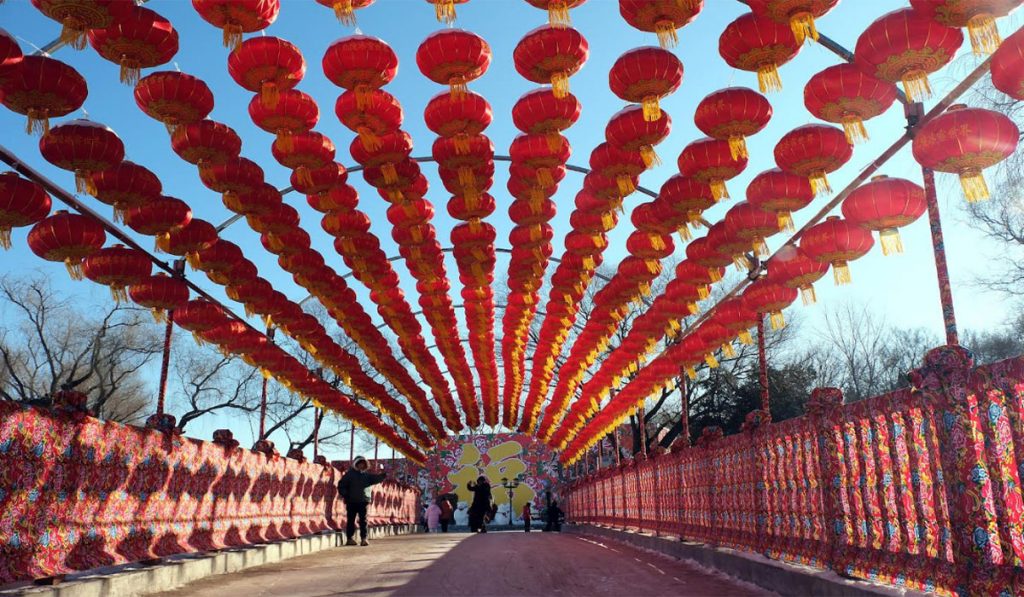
pixel 798 14
pixel 645 76
pixel 404 180
pixel 77 17
pixel 701 252
pixel 780 192
pixel 764 296
pixel 837 241
pixel 321 180
pixel 139 39
pixel 529 213
pixel 791 267
pixel 1007 66
pixel 733 114
pixel 965 141
pixel 752 225
pixel 267 66
pixel 345 10
pixel 158 216
pixel 22 203
pixel 83 147
pixel 906 46
pixel 629 130
pixel 979 16
pixel 846 95
pixel 117 267
pixel 551 55
pixel 699 276
pixel 295 112
pixel 736 316
pixel 724 240
pixel 199 315
pixel 711 161
pixel 341 197
pixel 360 63
pixel 760 45
pixel 558 10
pixel 125 185
pixel 68 238
pixel 286 242
pixel 393 149
pixel 687 196
pixel 648 245
pixel 536 152
pixel 378 113
pixel 173 98
pixel 453 57
pixel 303 152
pixel 279 220
pixel 160 293
pixel 218 258
pixel 464 208
pixel 444 10
pixel 10 58
pixel 662 17
pixel 260 199
pixel 42 88
pixel 884 205
pixel 186 241
pixel 813 150
pixel 458 118
pixel 622 166
pixel 238 16
pixel 205 143
pixel 541 112
pixel 236 176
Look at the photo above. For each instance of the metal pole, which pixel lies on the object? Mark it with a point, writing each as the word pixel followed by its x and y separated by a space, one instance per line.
pixel 684 414
pixel 615 444
pixel 939 249
pixel 165 362
pixel 640 415
pixel 762 366
pixel 351 443
pixel 318 417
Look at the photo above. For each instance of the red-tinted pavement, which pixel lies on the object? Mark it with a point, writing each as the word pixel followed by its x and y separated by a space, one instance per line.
pixel 461 564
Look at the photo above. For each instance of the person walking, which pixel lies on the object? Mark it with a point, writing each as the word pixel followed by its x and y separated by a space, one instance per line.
pixel 433 517
pixel 554 518
pixel 354 490
pixel 527 517
pixel 481 504
pixel 447 514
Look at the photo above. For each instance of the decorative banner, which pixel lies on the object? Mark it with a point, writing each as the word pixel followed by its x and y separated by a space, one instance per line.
pixel 461 459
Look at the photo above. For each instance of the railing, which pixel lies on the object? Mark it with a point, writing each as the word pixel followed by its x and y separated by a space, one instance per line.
pixel 77 493
pixel 918 488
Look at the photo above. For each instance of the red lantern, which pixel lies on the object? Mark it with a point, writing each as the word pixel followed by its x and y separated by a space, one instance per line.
pixel 798 14
pixel 117 267
pixel 965 141
pixel 558 10
pixel 83 147
pixel 188 240
pixel 321 180
pixel 622 166
pixel 238 16
pixel 536 152
pixel 792 267
pixel 345 10
pixel 22 202
pixel 360 63
pixel 701 252
pixel 279 220
pixel 884 205
pixel 662 17
pixel 541 112
pixel 341 197
pixel 236 176
pixel 218 258
pixel 304 152
pixel 764 296
pixel 837 241
pixel 780 192
pixel 979 16
pixel 1007 66
pixel 267 66
pixel 551 55
pixel 10 58
pixel 733 114
pixel 205 143
pixel 199 315
pixel 687 196
pixel 723 239
pixel 125 185
pixel 529 213
pixel 158 216
pixel 629 130
pixel 760 45
pixel 376 115
pixel 752 224
pixel 173 98
pixel 737 317
pixel 76 17
pixel 140 39
pixel 813 150
pixel 160 293
pixel 295 112
pixel 648 245
pixel 42 88
pixel 260 199
pixel 846 95
pixel 645 76
pixel 66 237
pixel 711 161
pixel 699 276
pixel 458 118
pixel 394 148
pixel 905 46
pixel 453 57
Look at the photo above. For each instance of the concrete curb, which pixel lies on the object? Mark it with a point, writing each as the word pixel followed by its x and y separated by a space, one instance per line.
pixel 773 575
pixel 172 573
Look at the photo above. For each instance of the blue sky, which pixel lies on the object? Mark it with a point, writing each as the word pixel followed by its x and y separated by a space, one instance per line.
pixel 902 287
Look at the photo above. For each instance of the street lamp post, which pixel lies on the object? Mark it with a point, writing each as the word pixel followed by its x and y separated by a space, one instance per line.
pixel 511 486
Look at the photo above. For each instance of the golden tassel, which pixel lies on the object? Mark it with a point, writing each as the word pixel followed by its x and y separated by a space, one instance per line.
pixel 370 141
pixel 461 144
pixel 345 13
pixel 285 140
pixel 657 242
pixel 667 36
pixel 588 262
pixel 171 128
pixel 130 72
pixel 83 183
pixel 545 178
pixel 891 242
pixel 768 79
pixel 38 122
pixel 738 147
pixel 704 291
pixel 785 218
pixel 807 295
pixel 802 24
pixel 232 37
pixel 841 273
pixel 270 94
pixel 745 338
pixel 389 173
pixel 159 315
pixel 761 248
pixel 728 351
pixel 973 183
pixel 74 268
pixel 303 176
pixel 625 184
pixel 915 83
pixel 693 308
pixel 710 359
pixel 718 190
pixel 855 130
pixel 653 266
pixel 457 88
pixel 714 274
pixel 649 156
pixel 819 183
pixel 740 261
pixel 778 321
pixel 5 237
pixel 466 176
pixel 684 233
pixel 444 10
pixel 558 15
pixel 363 95
pixel 984 34
pixel 560 84
pixel 608 220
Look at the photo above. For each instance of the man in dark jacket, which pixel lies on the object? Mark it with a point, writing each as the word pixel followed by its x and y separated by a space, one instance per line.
pixel 354 490
pixel 481 504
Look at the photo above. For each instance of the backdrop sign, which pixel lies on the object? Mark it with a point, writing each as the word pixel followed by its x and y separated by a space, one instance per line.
pixel 461 459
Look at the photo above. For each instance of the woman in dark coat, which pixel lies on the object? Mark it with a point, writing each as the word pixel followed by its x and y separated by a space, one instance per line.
pixel 481 504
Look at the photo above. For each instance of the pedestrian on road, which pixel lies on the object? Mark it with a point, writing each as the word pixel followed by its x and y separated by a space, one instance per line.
pixel 481 505
pixel 433 518
pixel 447 513
pixel 354 490
pixel 554 518
pixel 527 516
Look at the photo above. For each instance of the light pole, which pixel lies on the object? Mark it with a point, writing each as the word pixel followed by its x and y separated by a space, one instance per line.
pixel 511 487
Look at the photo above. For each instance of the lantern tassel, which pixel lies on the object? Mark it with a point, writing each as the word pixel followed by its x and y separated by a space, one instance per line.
pixel 560 84
pixel 554 139
pixel 916 84
pixel 270 95
pixel 345 13
pixel 891 242
pixel 819 183
pixel 855 131
pixel 625 184
pixel 37 123
pixel 667 36
pixel 545 178
pixel 119 294
pixel 444 11
pixel 390 174
pixel 232 37
pixel 5 238
pixel 74 268
pixel 768 79
pixel 649 156
pixel 684 233
pixel 718 190
pixel 802 25
pixel 691 372
pixel 761 248
pixel 984 34
pixel 457 88
pixel 973 183
pixel 130 72
pixel 745 338
pixel 778 320
pixel 710 359
pixel 558 15
pixel 83 183
pixel 72 33
pixel 714 274
pixel 785 219
pixel 159 315
pixel 728 351
pixel 466 177
pixel 841 273
pixel 807 295
pixel 303 176
pixel 461 144
pixel 703 292
pixel 738 147
pixel 651 107
pixel 363 94
pixel 285 141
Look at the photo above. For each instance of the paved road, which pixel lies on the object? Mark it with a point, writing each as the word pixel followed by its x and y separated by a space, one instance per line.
pixel 510 563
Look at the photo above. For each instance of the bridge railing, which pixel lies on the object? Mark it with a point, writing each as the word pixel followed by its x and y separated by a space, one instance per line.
pixel 78 493
pixel 917 488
